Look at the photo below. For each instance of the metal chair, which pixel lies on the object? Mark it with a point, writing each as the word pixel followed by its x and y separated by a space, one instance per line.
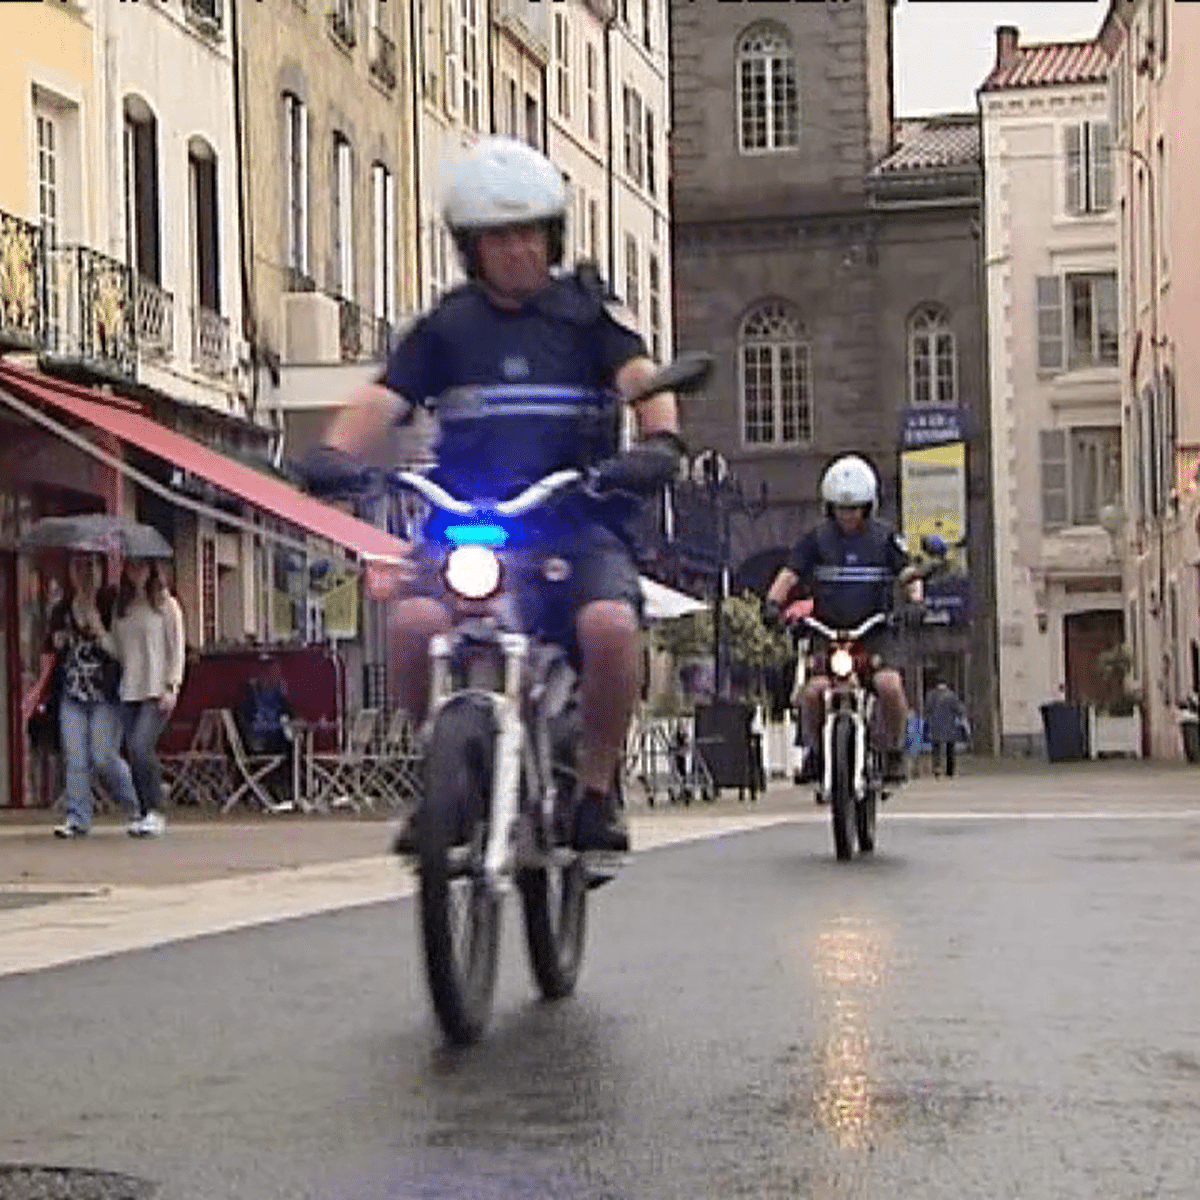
pixel 342 779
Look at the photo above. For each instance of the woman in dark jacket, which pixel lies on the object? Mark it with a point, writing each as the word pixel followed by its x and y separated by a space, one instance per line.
pixel 87 678
pixel 945 717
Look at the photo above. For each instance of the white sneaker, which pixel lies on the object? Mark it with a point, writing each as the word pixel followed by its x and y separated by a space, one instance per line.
pixel 153 824
pixel 69 829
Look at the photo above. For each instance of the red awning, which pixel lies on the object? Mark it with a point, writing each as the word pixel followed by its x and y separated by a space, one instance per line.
pixel 121 419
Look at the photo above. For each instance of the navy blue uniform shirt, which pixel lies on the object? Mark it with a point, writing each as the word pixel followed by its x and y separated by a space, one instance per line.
pixel 542 380
pixel 852 577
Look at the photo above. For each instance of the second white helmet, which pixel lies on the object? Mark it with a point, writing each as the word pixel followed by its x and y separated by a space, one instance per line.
pixel 850 481
pixel 501 181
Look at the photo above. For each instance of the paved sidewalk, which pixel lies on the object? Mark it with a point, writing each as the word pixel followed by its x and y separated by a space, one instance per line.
pixel 206 847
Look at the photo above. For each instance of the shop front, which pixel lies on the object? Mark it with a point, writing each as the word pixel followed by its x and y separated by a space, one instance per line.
pixel 66 449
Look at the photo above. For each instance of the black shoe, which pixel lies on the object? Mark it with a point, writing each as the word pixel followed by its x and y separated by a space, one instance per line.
pixel 895 767
pixel 598 827
pixel 405 841
pixel 812 770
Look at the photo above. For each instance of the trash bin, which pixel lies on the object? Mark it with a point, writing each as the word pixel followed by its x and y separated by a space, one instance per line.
pixel 722 739
pixel 1065 727
pixel 1189 727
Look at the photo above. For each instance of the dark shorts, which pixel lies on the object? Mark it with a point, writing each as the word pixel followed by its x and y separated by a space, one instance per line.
pixel 601 568
pixel 882 643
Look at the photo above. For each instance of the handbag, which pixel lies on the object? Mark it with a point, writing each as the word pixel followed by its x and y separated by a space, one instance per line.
pixel 42 728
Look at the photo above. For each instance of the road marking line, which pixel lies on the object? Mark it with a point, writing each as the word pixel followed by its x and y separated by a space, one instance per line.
pixel 116 920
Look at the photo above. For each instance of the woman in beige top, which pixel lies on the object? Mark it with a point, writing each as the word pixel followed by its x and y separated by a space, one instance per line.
pixel 148 628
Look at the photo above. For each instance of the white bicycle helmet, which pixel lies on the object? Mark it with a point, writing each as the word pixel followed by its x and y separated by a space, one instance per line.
pixel 850 482
pixel 499 182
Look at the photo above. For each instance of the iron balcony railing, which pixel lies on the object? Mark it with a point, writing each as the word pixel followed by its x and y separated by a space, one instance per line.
pixel 361 335
pixel 22 283
pixel 210 342
pixel 90 311
pixel 383 58
pixel 155 320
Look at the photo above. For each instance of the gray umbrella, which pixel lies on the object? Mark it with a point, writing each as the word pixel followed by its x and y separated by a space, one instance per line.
pixel 97 533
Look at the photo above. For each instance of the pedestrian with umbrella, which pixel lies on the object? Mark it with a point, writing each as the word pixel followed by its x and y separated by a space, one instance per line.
pixel 85 689
pixel 148 628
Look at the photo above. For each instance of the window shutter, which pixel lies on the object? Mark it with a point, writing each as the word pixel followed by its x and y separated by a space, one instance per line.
pixel 377 197
pixel 1054 479
pixel 303 187
pixel 1073 158
pixel 1100 173
pixel 1050 323
pixel 389 239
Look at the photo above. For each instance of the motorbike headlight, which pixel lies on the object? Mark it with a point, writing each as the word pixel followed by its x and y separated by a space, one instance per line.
pixel 473 572
pixel 841 663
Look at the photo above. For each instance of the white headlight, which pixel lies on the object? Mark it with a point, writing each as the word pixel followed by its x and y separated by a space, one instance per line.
pixel 841 663
pixel 473 572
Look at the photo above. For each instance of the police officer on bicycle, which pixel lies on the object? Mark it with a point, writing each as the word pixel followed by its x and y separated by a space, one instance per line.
pixel 524 368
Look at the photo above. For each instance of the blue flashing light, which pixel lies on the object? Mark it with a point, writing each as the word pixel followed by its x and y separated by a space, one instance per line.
pixel 477 535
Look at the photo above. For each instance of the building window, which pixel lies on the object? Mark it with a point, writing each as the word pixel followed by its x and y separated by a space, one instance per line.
pixel 1089 174
pixel 651 163
pixel 633 299
pixel 570 232
pixel 932 365
pixel 142 246
pixel 295 117
pixel 776 386
pixel 562 65
pixel 593 221
pixel 592 80
pixel 1160 202
pixel 514 110
pixel 655 289
pixel 533 121
pixel 768 96
pixel 384 196
pixel 343 216
pixel 634 125
pixel 472 109
pixel 452 66
pixel 49 176
pixel 1078 321
pixel 1081 475
pixel 647 24
pixel 206 259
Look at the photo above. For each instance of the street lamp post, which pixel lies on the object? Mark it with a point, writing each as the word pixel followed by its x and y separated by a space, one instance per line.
pixel 710 472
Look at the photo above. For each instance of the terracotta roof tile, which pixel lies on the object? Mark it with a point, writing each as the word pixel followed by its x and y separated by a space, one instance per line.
pixel 1050 63
pixel 933 144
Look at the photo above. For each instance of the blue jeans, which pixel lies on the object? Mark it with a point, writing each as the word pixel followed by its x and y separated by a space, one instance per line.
pixel 144 723
pixel 91 741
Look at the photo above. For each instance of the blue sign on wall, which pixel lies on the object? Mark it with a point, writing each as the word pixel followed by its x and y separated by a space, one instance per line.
pixel 932 425
pixel 948 600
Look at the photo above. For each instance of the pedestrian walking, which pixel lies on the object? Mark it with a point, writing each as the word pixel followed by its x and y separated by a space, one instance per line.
pixel 946 717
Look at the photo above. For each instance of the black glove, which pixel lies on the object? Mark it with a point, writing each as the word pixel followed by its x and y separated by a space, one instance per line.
pixel 772 614
pixel 327 471
pixel 643 469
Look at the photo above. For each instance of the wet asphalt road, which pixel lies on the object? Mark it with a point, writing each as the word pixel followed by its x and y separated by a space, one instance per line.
pixel 989 1008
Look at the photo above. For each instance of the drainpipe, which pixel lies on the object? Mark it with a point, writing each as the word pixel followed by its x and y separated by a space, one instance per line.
pixel 491 62
pixel 609 173
pixel 546 102
pixel 417 32
pixel 245 227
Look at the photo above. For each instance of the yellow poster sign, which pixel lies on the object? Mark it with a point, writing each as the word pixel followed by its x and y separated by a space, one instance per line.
pixel 341 608
pixel 933 495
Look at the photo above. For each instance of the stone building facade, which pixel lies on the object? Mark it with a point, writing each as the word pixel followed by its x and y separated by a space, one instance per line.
pixel 810 230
